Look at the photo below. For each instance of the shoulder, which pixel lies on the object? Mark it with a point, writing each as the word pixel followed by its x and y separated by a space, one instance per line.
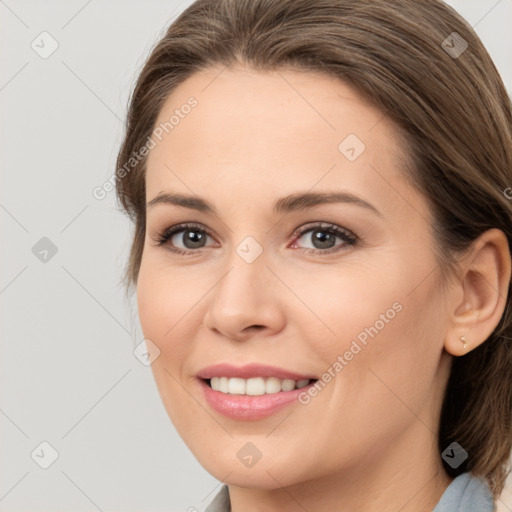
pixel 220 502
pixel 467 493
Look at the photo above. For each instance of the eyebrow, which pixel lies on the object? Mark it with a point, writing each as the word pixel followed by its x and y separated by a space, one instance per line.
pixel 293 202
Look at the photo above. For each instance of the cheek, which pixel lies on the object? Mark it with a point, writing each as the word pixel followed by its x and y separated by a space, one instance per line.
pixel 153 302
pixel 402 330
pixel 357 303
pixel 164 313
pixel 389 369
pixel 164 298
pixel 162 307
pixel 387 330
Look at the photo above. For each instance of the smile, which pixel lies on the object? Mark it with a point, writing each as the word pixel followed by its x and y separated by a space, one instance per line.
pixel 255 386
pixel 250 407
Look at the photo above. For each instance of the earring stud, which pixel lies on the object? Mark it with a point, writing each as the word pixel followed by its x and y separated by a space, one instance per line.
pixel 463 341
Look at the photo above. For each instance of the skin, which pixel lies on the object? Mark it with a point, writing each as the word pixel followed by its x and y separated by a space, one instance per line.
pixel 368 440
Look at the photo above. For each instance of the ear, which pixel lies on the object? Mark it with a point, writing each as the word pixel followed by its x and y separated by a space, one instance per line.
pixel 485 278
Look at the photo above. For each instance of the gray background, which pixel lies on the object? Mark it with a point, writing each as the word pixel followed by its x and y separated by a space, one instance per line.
pixel 68 375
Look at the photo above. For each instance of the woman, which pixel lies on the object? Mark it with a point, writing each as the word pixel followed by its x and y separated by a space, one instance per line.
pixel 322 216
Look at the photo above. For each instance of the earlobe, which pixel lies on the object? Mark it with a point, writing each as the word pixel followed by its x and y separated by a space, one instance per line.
pixel 458 346
pixel 484 287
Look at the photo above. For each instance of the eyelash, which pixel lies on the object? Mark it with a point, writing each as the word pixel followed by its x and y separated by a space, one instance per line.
pixel 348 237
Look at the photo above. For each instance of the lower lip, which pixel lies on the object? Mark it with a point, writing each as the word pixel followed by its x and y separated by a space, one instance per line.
pixel 248 407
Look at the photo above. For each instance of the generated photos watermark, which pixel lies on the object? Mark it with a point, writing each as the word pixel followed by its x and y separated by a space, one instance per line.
pixel 101 191
pixel 355 348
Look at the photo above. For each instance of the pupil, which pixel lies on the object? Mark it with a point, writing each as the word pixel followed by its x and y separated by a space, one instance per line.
pixel 321 236
pixel 194 237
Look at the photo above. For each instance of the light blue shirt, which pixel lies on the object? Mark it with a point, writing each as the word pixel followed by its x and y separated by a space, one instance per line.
pixel 466 493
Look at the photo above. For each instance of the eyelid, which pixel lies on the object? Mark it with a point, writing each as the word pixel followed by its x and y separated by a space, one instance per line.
pixel 170 231
pixel 324 225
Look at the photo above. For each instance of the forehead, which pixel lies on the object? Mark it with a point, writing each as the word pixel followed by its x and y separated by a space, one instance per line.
pixel 305 104
pixel 250 131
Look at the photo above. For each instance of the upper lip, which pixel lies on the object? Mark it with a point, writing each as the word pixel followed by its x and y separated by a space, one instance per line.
pixel 250 370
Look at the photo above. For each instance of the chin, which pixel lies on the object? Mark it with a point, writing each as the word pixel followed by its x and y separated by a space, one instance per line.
pixel 263 474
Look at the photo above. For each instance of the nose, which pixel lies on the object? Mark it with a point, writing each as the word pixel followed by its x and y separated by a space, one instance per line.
pixel 245 301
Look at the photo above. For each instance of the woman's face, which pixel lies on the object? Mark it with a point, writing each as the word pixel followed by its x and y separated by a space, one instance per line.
pixel 361 309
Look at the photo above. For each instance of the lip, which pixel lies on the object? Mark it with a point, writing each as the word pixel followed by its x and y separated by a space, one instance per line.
pixel 247 407
pixel 250 370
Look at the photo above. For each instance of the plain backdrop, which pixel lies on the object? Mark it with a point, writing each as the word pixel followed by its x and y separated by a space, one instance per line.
pixel 68 374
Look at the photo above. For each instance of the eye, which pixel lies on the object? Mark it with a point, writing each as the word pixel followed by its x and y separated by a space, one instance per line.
pixel 323 237
pixel 193 237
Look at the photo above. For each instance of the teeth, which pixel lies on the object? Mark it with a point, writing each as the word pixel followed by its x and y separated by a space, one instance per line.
pixel 255 386
pixel 272 385
pixel 236 386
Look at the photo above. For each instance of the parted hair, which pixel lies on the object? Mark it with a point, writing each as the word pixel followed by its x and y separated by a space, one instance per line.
pixel 426 69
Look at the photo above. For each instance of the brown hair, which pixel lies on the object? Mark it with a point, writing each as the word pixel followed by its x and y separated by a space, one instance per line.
pixel 452 110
